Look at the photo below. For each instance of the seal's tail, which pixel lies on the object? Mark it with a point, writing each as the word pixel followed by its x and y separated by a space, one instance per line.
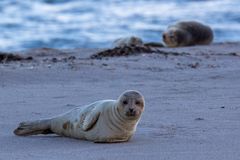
pixel 33 128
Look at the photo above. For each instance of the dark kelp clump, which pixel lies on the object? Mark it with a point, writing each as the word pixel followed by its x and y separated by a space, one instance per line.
pixel 9 57
pixel 132 50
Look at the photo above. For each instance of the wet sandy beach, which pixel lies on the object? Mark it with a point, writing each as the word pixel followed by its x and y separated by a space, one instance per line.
pixel 192 102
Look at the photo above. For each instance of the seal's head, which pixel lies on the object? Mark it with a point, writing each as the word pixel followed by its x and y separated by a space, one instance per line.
pixel 175 37
pixel 131 104
pixel 135 41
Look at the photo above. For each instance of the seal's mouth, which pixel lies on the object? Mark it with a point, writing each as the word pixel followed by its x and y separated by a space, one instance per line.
pixel 131 114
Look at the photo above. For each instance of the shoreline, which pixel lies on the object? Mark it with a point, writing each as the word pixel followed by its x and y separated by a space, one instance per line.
pixel 192 102
pixel 223 48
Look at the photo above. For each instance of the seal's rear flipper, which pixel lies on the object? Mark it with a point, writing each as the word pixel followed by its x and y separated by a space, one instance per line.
pixel 33 128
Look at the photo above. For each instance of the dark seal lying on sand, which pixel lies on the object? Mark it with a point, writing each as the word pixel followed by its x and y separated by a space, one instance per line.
pixel 187 33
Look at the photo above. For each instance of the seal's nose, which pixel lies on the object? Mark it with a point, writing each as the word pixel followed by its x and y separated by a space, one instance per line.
pixel 164 36
pixel 130 110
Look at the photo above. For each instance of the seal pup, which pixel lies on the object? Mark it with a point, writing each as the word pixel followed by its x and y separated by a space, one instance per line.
pixel 101 121
pixel 187 33
pixel 134 41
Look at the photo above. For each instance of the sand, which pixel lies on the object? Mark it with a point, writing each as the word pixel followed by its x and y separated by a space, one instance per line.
pixel 192 102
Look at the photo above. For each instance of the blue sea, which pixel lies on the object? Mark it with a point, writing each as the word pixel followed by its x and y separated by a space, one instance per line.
pixel 96 23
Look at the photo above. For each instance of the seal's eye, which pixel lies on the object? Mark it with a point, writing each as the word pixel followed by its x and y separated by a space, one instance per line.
pixel 125 102
pixel 137 102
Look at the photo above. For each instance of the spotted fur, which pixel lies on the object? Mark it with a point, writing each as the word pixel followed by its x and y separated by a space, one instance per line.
pixel 102 121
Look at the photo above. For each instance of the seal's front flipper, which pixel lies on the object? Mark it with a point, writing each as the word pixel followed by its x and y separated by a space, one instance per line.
pixel 90 120
pixel 33 128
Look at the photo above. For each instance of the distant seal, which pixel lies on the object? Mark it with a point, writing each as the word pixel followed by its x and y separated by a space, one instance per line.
pixel 187 33
pixel 128 46
pixel 101 121
pixel 128 41
pixel 134 41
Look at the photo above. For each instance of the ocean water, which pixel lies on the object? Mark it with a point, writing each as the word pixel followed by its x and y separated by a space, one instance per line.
pixel 96 23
